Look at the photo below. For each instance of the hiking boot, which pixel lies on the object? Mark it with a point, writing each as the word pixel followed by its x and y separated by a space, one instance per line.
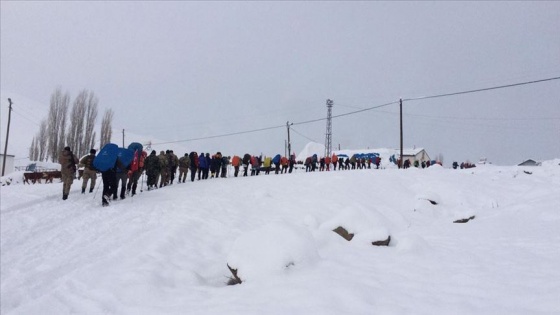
pixel 104 203
pixel 64 196
pixel 122 197
pixel 91 190
pixel 115 198
pixel 83 190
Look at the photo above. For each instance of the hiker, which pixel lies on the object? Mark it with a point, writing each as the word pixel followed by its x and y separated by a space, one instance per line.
pixel 136 170
pixel 236 162
pixel 284 162
pixel 225 163
pixel 153 169
pixel 292 162
pixel 164 171
pixel 109 178
pixel 173 163
pixel 334 160
pixel 276 162
pixel 68 162
pixel 184 164
pixel 246 161
pixel 90 173
pixel 266 164
pixel 121 177
pixel 193 157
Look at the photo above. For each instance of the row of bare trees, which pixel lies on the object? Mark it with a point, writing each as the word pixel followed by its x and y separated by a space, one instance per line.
pixel 56 132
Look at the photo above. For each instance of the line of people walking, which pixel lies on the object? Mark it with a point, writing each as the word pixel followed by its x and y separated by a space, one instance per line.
pixel 161 169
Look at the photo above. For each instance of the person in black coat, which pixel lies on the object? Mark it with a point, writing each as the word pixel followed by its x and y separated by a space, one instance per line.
pixel 109 178
pixel 246 161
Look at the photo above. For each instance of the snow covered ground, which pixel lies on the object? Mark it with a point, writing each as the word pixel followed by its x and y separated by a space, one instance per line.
pixel 166 251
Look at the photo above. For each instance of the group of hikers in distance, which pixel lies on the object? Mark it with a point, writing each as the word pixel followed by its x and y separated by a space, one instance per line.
pixel 124 166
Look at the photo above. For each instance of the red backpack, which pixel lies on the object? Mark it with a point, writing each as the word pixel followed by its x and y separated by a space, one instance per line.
pixel 138 160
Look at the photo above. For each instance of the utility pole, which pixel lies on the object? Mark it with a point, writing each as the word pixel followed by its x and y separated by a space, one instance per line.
pixel 328 136
pixel 289 143
pixel 7 135
pixel 401 159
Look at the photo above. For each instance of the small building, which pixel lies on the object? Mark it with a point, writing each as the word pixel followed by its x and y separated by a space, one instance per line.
pixel 530 162
pixel 9 164
pixel 416 154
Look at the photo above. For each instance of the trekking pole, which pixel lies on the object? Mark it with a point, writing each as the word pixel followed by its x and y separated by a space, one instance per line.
pixel 96 191
pixel 142 185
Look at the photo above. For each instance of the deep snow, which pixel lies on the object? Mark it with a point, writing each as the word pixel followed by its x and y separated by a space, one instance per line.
pixel 166 251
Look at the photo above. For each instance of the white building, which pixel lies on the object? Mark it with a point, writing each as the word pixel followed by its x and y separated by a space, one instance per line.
pixel 9 164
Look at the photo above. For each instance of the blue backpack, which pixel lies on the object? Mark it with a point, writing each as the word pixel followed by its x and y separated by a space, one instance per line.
pixel 106 158
pixel 125 156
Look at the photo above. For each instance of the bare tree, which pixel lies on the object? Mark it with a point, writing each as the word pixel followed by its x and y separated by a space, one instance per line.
pixel 91 118
pixel 33 150
pixel 57 123
pixel 63 121
pixel 42 141
pixel 106 129
pixel 76 130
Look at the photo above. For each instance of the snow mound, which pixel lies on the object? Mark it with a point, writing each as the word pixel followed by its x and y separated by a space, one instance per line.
pixel 367 225
pixel 271 249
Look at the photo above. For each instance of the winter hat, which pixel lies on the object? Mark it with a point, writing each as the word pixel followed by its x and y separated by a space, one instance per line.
pixel 67 149
pixel 92 151
pixel 153 152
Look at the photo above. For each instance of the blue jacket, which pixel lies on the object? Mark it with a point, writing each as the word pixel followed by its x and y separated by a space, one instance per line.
pixel 202 162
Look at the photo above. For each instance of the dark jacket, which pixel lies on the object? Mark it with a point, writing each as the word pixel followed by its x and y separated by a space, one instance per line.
pixel 152 164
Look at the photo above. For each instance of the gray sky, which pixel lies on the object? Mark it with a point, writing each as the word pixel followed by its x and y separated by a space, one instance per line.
pixel 176 70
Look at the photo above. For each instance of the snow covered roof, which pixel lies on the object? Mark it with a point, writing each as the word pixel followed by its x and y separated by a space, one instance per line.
pixel 530 162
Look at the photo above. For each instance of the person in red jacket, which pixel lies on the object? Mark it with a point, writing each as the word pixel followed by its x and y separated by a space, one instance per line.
pixel 334 160
pixel 284 162
pixel 236 163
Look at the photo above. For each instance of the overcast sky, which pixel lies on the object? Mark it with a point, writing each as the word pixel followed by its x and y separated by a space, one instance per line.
pixel 174 71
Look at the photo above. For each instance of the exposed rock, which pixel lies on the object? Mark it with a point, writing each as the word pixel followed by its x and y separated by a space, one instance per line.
pixel 382 243
pixel 464 220
pixel 342 232
pixel 235 280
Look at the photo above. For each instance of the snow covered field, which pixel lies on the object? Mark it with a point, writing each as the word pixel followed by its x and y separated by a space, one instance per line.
pixel 166 251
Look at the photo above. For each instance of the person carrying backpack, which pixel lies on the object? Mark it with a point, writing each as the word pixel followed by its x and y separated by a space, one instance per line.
pixel 68 162
pixel 136 170
pixel 236 162
pixel 193 157
pixel 246 162
pixel 153 168
pixel 184 164
pixel 90 173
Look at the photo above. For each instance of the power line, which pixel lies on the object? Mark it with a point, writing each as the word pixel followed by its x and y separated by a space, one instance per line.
pixel 346 114
pixel 479 90
pixel 222 135
pixel 299 133
pixel 364 109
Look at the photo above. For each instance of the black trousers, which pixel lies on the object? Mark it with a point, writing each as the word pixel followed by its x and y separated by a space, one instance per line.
pixel 193 173
pixel 109 183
